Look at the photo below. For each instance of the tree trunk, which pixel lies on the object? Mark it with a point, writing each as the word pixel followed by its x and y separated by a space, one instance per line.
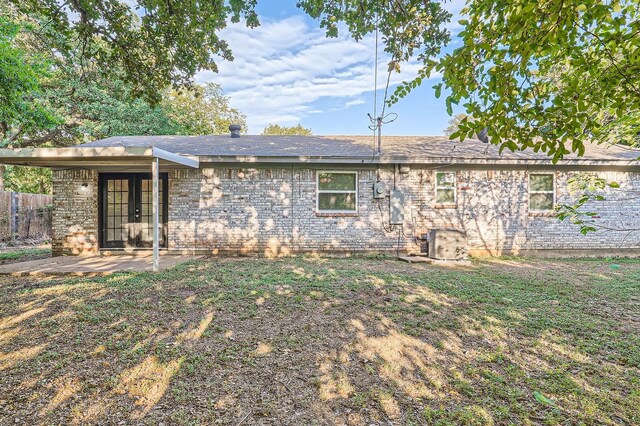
pixel 1 177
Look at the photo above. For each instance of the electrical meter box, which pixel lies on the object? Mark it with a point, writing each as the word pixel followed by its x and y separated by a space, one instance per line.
pixel 396 207
pixel 379 190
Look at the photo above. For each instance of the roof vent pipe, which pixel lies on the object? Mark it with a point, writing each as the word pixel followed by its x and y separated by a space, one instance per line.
pixel 235 130
pixel 483 135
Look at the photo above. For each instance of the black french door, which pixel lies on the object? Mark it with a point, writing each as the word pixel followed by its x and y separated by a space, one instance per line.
pixel 126 210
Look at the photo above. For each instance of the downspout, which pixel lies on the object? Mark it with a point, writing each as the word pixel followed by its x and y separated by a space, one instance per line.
pixel 379 123
pixel 293 245
pixel 395 187
pixel 395 174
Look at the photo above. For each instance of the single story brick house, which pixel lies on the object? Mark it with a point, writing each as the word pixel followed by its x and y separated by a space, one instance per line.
pixel 276 195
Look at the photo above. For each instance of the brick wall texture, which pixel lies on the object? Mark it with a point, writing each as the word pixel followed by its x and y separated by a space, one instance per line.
pixel 272 211
pixel 75 212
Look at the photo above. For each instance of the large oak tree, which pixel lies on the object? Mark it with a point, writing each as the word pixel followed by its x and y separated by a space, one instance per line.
pixel 52 99
pixel 548 75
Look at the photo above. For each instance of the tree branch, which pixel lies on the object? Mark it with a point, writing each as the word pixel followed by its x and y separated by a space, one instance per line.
pixel 611 58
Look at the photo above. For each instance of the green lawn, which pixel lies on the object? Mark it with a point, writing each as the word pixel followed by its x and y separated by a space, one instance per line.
pixel 22 254
pixel 326 341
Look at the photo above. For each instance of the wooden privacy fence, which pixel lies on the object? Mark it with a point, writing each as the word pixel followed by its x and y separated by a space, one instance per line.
pixel 25 216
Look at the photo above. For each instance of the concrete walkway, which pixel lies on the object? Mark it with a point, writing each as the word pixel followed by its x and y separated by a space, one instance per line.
pixel 90 266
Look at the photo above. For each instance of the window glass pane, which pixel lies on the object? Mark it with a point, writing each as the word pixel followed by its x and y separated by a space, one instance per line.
pixel 447 196
pixel 337 181
pixel 327 201
pixel 541 201
pixel 541 182
pixel 445 179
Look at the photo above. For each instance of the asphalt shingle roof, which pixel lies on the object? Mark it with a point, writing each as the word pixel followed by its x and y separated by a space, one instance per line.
pixel 416 148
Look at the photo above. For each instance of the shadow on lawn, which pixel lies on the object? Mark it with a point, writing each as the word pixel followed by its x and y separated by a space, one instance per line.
pixel 299 341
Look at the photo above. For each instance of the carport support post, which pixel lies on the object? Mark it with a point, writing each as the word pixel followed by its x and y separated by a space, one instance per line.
pixel 155 176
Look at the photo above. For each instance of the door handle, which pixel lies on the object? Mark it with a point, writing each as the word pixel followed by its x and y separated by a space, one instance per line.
pixel 137 213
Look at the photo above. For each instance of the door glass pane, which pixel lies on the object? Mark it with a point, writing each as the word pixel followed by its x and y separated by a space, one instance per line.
pixel 146 210
pixel 119 228
pixel 117 210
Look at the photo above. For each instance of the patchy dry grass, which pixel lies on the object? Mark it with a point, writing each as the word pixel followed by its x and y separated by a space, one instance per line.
pixel 326 341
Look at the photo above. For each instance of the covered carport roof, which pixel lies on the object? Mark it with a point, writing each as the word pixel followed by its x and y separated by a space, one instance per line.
pixel 112 158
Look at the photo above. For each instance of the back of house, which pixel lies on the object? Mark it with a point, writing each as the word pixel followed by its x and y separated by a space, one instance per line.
pixel 277 195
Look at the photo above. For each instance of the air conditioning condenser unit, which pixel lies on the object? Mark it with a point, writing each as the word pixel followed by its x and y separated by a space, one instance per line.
pixel 447 244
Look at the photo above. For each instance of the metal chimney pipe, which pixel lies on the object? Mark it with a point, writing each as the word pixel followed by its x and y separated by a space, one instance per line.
pixel 483 135
pixel 235 130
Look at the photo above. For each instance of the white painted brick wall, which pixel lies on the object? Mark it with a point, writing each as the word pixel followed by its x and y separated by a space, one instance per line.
pixel 272 211
pixel 75 212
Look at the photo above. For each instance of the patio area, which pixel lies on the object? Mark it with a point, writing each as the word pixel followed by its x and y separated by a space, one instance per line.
pixel 92 265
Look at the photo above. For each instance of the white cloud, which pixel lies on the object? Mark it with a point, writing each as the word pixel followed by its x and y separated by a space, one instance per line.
pixel 282 68
pixel 354 102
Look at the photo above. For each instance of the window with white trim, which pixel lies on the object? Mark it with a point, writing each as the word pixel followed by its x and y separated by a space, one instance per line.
pixel 445 187
pixel 541 192
pixel 337 192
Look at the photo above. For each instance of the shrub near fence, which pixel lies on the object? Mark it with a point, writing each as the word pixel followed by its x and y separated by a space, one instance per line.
pixel 25 216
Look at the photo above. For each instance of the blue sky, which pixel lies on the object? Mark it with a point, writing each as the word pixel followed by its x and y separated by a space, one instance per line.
pixel 286 72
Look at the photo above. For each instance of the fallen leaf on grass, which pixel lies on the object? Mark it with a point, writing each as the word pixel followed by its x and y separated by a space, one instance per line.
pixel 543 399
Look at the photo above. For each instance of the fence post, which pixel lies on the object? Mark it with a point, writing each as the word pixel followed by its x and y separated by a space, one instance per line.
pixel 14 214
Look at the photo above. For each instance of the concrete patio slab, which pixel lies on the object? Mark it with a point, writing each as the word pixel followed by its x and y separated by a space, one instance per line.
pixel 91 266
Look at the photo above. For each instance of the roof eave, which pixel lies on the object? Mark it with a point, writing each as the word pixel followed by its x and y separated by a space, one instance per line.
pixel 372 159
pixel 87 156
pixel 104 157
